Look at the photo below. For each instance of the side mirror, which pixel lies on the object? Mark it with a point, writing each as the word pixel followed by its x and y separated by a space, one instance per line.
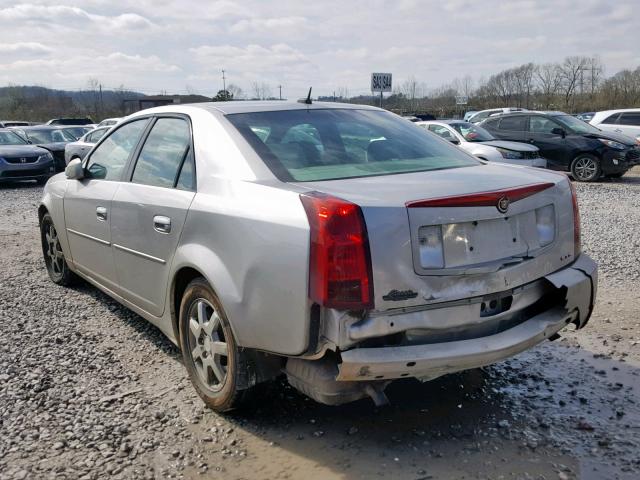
pixel 559 131
pixel 454 140
pixel 74 170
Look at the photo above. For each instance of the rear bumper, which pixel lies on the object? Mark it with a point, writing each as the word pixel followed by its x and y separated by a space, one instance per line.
pixel 578 283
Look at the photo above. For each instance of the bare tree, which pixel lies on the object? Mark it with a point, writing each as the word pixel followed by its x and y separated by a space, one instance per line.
pixel 236 92
pixel 571 72
pixel 549 79
pixel 260 91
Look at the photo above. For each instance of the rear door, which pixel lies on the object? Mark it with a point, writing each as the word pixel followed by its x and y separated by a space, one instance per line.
pixel 629 124
pixel 511 127
pixel 87 203
pixel 149 212
pixel 552 146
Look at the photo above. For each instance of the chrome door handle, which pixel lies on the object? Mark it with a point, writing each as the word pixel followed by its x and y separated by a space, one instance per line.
pixel 162 224
pixel 618 130
pixel 101 213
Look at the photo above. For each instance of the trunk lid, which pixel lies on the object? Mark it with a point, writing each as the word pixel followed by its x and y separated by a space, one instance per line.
pixel 484 250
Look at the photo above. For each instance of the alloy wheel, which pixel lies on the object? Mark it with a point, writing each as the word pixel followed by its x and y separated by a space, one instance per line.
pixel 54 251
pixel 209 349
pixel 585 168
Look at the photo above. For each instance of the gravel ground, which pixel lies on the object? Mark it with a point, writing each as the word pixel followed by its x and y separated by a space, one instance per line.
pixel 90 390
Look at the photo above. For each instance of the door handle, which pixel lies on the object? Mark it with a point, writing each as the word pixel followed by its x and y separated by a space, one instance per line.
pixel 162 224
pixel 618 130
pixel 101 213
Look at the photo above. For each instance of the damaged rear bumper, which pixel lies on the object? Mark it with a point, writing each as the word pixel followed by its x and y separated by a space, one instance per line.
pixel 578 283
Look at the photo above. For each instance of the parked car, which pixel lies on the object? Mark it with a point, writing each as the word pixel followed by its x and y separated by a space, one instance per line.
pixel 13 123
pixel 52 138
pixel 109 122
pixel 626 122
pixel 81 147
pixel 339 245
pixel 70 121
pixel 586 116
pixel 484 114
pixel 480 143
pixel 469 114
pixel 20 160
pixel 569 144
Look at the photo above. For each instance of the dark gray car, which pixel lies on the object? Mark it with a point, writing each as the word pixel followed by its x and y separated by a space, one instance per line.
pixel 21 161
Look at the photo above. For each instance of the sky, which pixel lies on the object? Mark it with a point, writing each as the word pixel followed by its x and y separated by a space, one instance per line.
pixel 181 46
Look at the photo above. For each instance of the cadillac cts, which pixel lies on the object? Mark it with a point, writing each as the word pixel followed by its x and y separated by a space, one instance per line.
pixel 337 244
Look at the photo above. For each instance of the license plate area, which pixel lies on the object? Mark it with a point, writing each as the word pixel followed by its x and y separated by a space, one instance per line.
pixel 482 241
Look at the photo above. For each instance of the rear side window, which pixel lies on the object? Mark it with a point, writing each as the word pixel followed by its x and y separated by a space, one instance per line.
pixel 107 162
pixel 630 118
pixel 514 123
pixel 163 153
pixel 324 144
pixel 442 132
pixel 491 123
pixel 611 118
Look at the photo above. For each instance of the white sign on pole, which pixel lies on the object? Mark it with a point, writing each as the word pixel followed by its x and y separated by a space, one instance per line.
pixel 462 100
pixel 380 82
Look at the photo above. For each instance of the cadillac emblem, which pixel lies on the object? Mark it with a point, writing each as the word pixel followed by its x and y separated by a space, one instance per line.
pixel 503 204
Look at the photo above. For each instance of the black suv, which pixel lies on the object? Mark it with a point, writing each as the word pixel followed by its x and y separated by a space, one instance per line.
pixel 569 144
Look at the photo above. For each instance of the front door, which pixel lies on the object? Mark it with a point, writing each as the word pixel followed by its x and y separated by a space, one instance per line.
pixel 87 204
pixel 150 211
pixel 553 146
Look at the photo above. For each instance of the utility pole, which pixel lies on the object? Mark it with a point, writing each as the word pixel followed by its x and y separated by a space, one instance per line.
pixel 101 101
pixel 280 88
pixel 224 83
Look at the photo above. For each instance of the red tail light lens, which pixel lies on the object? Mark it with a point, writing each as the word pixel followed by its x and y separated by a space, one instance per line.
pixel 576 221
pixel 340 262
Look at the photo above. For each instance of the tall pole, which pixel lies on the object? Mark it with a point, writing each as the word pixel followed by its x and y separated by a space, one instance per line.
pixel 280 88
pixel 380 99
pixel 224 83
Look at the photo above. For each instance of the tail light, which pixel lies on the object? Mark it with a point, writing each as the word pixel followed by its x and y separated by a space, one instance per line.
pixel 340 261
pixel 576 220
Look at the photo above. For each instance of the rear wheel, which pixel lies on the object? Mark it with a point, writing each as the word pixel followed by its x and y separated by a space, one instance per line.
pixel 586 168
pixel 217 368
pixel 57 267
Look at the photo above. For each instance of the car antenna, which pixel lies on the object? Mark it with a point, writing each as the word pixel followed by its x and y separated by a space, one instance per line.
pixel 307 100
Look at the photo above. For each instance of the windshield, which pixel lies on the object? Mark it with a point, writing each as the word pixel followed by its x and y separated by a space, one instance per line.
pixel 576 125
pixel 10 138
pixel 311 145
pixel 49 136
pixel 471 132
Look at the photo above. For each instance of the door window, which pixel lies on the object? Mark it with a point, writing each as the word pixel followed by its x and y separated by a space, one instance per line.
pixel 107 162
pixel 93 137
pixel 163 153
pixel 514 123
pixel 611 118
pixel 630 118
pixel 541 125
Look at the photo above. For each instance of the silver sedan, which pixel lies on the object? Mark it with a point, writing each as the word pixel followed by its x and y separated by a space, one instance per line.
pixel 81 147
pixel 336 244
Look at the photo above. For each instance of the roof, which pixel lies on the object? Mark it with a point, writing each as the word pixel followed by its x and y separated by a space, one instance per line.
pixel 230 108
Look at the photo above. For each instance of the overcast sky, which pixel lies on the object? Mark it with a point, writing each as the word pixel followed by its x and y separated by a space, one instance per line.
pixel 155 45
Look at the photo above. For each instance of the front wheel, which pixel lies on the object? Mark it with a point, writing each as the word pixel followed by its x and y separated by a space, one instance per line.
pixel 57 267
pixel 586 168
pixel 217 368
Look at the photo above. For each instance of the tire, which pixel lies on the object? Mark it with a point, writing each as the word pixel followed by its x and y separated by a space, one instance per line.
pixel 57 266
pixel 209 350
pixel 586 168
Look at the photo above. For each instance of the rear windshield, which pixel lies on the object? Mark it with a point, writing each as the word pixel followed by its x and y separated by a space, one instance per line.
pixel 312 145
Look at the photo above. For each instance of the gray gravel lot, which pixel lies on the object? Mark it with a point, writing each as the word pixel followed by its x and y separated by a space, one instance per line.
pixel 90 390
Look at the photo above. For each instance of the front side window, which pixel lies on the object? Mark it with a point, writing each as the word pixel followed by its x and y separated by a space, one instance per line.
pixel 514 123
pixel 572 124
pixel 343 143
pixel 163 153
pixel 441 131
pixel 108 160
pixel 93 137
pixel 541 125
pixel 631 118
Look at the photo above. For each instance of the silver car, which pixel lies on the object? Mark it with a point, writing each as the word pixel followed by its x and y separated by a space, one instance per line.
pixel 337 244
pixel 480 143
pixel 81 147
